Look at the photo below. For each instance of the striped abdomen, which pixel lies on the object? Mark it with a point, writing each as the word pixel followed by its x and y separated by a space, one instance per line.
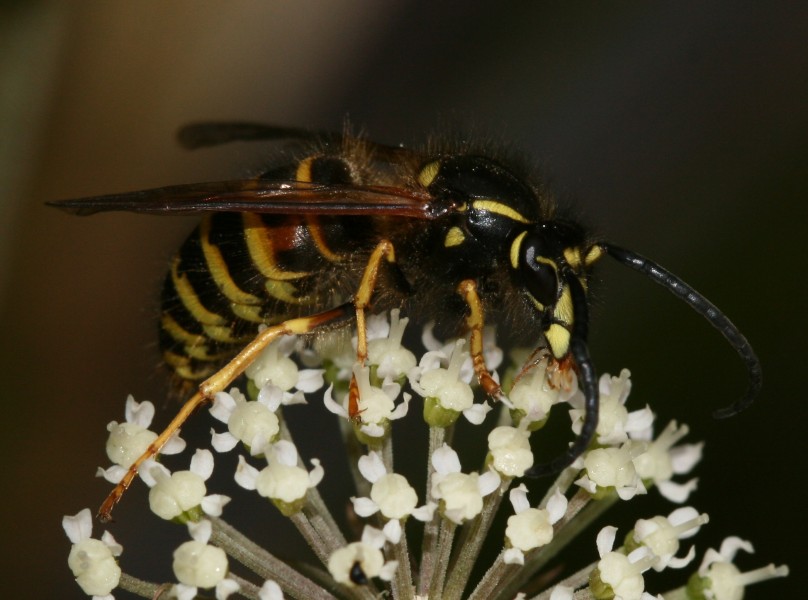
pixel 239 270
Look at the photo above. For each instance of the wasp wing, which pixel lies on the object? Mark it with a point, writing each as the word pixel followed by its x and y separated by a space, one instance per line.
pixel 266 196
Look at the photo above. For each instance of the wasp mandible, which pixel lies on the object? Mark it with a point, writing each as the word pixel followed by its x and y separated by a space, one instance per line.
pixel 447 233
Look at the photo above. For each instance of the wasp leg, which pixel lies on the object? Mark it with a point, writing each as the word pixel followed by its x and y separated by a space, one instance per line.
pixel 217 383
pixel 383 251
pixel 474 323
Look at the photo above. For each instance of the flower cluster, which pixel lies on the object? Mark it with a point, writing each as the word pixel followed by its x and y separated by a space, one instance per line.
pixel 450 513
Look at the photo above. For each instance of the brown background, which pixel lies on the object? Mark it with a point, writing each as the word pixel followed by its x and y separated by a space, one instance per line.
pixel 678 129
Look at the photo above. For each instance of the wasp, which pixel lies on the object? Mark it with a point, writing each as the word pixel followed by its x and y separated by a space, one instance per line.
pixel 342 224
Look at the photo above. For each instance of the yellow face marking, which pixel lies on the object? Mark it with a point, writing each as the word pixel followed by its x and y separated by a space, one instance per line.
pixel 563 307
pixel 499 209
pixel 190 300
pixel 259 243
pixel 454 237
pixel 558 339
pixel 428 173
pixel 573 257
pixel 219 271
pixel 303 172
pixel 516 246
pixel 595 252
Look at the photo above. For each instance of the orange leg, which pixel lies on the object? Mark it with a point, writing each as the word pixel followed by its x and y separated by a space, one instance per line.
pixel 384 251
pixel 475 322
pixel 217 383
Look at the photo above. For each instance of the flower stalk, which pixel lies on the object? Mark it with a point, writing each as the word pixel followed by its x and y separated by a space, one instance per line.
pixel 455 511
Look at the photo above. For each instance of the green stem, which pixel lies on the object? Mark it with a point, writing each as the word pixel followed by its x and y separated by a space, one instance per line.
pixel 264 564
pixel 472 538
pixel 445 538
pixel 431 527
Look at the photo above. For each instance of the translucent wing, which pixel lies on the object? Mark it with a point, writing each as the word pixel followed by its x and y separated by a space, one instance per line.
pixel 266 196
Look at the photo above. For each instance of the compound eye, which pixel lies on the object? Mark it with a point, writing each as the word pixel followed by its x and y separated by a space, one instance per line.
pixel 540 274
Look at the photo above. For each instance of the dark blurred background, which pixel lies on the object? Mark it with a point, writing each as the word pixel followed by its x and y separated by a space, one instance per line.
pixel 680 130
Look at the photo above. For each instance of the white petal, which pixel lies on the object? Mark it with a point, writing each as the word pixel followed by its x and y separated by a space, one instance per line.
pixel 371 467
pixel 225 588
pixel 388 570
pixel 223 442
pixel 285 453
pixel 213 504
pixel 557 506
pixel 445 460
pixel 223 405
pixel 202 463
pixel 246 474
pixel 270 396
pixel 372 430
pixel 731 545
pixel 373 537
pixel 392 530
pixel 605 540
pixel 488 482
pixel 184 592
pixel 114 547
pixel 174 445
pixel 561 592
pixel 310 380
pixel 316 474
pixel 113 474
pixel 140 413
pixel 364 507
pixel 151 470
pixel 678 563
pixel 518 498
pixel 685 457
pixel 333 406
pixel 677 492
pixel 476 413
pixel 513 556
pixel 400 411
pixel 270 591
pixel 200 531
pixel 79 526
pixel 424 513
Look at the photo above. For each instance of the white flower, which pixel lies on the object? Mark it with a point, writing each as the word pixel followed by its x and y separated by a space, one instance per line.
pixel 200 565
pixel 177 495
pixel 376 405
pixel 274 366
pixel 254 424
pixel 127 441
pixel 533 396
pixel 92 561
pixel 358 562
pixel 530 527
pixel 661 535
pixel 618 572
pixel 615 423
pixel 393 361
pixel 721 580
pixel 391 494
pixel 460 494
pixel 283 481
pixel 611 468
pixel 447 388
pixel 510 451
pixel 661 459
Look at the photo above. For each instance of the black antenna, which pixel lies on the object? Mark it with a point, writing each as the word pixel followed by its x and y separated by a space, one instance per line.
pixel 706 309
